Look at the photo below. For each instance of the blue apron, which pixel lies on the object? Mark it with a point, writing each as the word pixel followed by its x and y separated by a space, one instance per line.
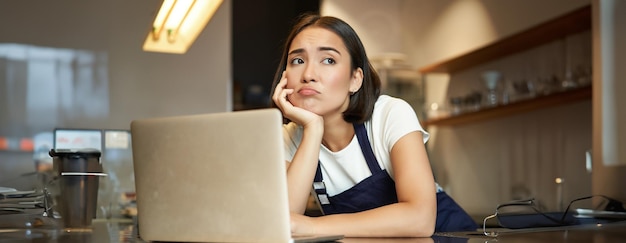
pixel 379 190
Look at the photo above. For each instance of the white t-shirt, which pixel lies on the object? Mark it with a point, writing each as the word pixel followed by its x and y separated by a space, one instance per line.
pixel 392 119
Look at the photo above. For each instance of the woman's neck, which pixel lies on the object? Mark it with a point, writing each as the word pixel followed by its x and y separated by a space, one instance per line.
pixel 337 134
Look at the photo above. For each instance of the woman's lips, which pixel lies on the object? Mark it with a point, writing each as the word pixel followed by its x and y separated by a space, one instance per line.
pixel 307 91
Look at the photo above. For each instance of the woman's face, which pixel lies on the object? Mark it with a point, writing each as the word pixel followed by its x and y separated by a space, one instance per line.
pixel 319 71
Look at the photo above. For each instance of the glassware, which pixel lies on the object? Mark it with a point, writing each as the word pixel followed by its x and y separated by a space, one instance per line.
pixel 491 80
pixel 456 104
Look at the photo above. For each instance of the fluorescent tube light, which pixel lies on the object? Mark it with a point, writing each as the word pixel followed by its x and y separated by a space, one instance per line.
pixel 178 24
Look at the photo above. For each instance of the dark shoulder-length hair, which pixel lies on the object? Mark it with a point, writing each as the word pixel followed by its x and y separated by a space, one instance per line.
pixel 362 102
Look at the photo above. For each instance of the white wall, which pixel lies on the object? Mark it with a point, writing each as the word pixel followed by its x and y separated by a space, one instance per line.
pixel 376 22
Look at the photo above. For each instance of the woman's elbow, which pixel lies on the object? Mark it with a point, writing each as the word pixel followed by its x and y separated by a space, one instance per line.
pixel 420 225
pixel 423 229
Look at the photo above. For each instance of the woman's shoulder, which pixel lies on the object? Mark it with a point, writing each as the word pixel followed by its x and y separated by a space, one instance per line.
pixel 391 111
pixel 386 102
pixel 396 117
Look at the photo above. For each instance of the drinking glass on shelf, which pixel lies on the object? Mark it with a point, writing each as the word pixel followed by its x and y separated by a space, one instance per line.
pixel 492 97
pixel 456 105
pixel 491 80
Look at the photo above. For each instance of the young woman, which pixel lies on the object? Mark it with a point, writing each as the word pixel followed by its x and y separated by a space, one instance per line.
pixel 363 152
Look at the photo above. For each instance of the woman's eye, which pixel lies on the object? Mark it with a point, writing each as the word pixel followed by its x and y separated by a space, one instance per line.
pixel 328 61
pixel 297 61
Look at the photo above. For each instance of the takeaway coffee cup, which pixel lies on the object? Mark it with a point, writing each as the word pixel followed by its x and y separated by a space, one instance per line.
pixel 77 178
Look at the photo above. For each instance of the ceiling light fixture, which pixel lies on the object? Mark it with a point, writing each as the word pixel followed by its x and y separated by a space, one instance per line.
pixel 178 24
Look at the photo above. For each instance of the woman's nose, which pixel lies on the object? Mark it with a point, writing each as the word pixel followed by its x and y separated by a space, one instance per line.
pixel 309 74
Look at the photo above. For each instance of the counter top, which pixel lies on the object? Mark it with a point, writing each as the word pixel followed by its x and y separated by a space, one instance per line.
pixel 123 230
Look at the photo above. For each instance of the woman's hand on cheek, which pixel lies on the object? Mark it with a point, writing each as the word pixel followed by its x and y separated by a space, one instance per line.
pixel 296 114
pixel 280 95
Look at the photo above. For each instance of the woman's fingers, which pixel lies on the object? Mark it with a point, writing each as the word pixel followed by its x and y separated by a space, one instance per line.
pixel 279 94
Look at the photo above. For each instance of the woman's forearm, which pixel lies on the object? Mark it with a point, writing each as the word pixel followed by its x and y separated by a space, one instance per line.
pixel 394 220
pixel 301 170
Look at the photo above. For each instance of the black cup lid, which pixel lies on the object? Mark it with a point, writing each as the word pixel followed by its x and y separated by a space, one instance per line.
pixel 87 152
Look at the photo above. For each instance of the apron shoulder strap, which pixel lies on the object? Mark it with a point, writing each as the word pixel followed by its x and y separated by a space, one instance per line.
pixel 366 148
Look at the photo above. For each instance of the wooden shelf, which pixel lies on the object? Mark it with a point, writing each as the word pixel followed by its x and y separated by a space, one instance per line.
pixel 571 23
pixel 540 102
pixel 574 22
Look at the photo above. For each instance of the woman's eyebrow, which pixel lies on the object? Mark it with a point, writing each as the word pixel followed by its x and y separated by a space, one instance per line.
pixel 323 48
pixel 296 51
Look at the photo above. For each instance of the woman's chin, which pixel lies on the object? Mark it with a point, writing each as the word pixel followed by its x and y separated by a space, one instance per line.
pixel 310 109
pixel 307 105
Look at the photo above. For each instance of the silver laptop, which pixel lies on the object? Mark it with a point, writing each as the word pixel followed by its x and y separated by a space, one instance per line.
pixel 217 177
